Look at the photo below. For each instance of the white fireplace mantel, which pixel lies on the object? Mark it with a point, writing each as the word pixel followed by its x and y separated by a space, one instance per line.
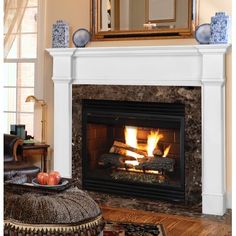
pixel 189 65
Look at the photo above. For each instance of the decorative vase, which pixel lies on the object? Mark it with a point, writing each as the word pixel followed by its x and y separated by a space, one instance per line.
pixel 60 34
pixel 219 28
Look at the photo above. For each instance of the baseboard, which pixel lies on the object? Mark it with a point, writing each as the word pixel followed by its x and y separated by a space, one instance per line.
pixel 229 200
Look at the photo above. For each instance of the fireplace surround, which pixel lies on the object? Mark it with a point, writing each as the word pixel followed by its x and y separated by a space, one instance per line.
pixel 192 65
pixel 190 97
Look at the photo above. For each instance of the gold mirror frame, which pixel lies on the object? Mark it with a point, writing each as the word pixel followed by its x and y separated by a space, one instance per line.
pixel 141 34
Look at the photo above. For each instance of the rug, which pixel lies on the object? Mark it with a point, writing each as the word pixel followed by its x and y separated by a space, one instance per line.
pixel 133 229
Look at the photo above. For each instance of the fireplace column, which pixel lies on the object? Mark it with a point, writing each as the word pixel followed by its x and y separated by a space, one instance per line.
pixel 213 132
pixel 62 78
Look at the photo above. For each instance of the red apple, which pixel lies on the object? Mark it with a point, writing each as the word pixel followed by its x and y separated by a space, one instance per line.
pixel 42 178
pixel 54 178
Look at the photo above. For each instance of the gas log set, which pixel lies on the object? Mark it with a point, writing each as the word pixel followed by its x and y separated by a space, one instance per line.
pixel 148 158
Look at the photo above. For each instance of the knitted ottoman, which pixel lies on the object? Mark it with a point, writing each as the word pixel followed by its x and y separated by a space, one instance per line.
pixel 71 212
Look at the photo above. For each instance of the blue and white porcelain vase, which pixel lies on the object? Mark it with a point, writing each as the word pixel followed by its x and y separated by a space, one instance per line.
pixel 219 28
pixel 60 34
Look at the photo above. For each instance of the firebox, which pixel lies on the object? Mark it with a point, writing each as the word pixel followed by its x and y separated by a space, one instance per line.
pixel 134 148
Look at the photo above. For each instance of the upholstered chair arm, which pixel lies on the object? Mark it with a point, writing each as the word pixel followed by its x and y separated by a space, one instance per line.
pixel 11 144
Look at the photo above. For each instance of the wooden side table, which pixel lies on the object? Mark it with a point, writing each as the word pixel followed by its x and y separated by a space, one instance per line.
pixel 29 150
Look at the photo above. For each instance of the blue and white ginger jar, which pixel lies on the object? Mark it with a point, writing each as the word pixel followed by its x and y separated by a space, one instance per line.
pixel 219 28
pixel 60 34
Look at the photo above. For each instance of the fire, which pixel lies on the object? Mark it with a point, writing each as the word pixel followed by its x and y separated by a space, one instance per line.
pixel 131 136
pixel 131 140
pixel 133 163
pixel 152 141
pixel 166 152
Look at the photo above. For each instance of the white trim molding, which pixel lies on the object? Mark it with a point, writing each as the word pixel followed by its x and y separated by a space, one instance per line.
pixel 229 200
pixel 188 65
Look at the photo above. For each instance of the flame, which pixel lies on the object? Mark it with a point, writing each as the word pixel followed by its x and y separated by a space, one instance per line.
pixel 152 141
pixel 166 152
pixel 133 163
pixel 131 140
pixel 131 136
pixel 134 154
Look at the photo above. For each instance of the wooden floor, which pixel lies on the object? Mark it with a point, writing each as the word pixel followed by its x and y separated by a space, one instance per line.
pixel 174 225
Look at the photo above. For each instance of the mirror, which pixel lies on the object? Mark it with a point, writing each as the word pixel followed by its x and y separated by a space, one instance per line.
pixel 141 18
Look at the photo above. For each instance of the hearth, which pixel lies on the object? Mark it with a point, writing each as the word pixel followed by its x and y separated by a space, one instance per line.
pixel 134 148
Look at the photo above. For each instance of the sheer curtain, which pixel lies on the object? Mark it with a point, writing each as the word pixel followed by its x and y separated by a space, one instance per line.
pixel 13 13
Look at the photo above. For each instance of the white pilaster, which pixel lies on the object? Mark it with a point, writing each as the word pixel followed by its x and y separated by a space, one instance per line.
pixel 213 132
pixel 62 78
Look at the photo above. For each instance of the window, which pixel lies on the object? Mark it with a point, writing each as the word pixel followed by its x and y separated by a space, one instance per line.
pixel 20 69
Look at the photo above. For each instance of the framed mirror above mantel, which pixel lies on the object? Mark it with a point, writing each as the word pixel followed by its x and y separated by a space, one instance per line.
pixel 142 19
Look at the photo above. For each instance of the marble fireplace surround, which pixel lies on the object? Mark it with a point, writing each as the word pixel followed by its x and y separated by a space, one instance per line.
pixel 189 65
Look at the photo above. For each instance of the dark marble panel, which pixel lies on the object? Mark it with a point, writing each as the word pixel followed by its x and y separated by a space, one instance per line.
pixel 190 96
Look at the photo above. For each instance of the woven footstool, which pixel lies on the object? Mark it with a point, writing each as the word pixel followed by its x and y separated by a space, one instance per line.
pixel 71 212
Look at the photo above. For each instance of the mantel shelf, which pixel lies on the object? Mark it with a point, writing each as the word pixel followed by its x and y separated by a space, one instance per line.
pixel 179 49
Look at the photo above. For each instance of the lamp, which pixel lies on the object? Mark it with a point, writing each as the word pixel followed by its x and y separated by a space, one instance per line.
pixel 43 104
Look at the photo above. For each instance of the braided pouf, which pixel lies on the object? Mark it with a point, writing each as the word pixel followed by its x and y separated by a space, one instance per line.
pixel 72 212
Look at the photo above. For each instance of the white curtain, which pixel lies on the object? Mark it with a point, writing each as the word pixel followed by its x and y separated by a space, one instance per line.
pixel 13 14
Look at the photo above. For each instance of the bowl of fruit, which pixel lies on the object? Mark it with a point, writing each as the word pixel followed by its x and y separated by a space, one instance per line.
pixel 52 179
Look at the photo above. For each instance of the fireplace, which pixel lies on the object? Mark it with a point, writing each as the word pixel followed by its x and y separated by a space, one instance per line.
pixel 177 65
pixel 134 148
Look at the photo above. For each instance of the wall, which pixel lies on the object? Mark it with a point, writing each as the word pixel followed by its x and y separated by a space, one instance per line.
pixel 77 14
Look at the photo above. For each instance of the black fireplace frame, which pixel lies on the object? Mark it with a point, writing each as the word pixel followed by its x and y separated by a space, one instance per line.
pixel 174 112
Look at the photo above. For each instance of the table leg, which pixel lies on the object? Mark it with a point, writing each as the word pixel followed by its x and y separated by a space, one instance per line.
pixel 45 162
pixel 42 162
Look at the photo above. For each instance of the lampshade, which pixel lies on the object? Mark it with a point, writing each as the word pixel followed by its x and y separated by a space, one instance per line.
pixel 31 98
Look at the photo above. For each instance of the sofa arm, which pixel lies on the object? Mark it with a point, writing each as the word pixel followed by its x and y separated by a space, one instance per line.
pixel 11 144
